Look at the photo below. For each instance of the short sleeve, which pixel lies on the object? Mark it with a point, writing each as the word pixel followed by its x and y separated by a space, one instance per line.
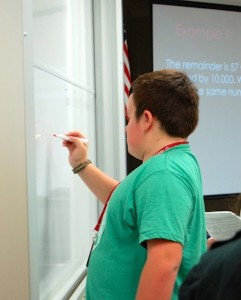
pixel 163 207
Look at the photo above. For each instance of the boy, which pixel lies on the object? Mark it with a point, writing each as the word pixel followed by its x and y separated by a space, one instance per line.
pixel 153 229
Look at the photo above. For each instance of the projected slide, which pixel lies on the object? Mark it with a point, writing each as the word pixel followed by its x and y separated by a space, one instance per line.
pixel 205 43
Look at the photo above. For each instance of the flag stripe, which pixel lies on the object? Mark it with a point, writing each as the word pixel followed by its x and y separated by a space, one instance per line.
pixel 127 72
pixel 128 75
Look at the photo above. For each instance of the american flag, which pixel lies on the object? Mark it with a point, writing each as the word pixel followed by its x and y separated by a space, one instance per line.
pixel 127 72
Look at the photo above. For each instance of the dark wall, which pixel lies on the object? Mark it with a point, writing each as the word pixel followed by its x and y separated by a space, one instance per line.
pixel 137 18
pixel 137 22
pixel 138 25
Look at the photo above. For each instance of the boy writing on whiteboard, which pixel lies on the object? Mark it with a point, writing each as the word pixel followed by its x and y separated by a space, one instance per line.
pixel 153 228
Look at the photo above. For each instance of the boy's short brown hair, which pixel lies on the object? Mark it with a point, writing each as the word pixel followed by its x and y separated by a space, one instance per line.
pixel 171 97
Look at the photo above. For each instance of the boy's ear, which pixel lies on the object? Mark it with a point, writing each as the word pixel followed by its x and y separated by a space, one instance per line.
pixel 148 119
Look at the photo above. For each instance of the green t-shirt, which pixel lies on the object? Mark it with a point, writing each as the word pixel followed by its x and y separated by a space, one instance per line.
pixel 163 199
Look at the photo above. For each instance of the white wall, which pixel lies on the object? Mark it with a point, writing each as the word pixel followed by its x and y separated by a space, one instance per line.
pixel 14 274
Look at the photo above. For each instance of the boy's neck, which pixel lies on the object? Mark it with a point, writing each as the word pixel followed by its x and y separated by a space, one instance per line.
pixel 159 145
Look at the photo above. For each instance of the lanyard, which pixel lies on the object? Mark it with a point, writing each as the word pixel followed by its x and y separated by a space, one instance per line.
pixel 167 147
pixel 97 227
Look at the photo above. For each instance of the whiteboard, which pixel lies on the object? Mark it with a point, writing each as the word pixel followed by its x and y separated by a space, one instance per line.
pixel 64 97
